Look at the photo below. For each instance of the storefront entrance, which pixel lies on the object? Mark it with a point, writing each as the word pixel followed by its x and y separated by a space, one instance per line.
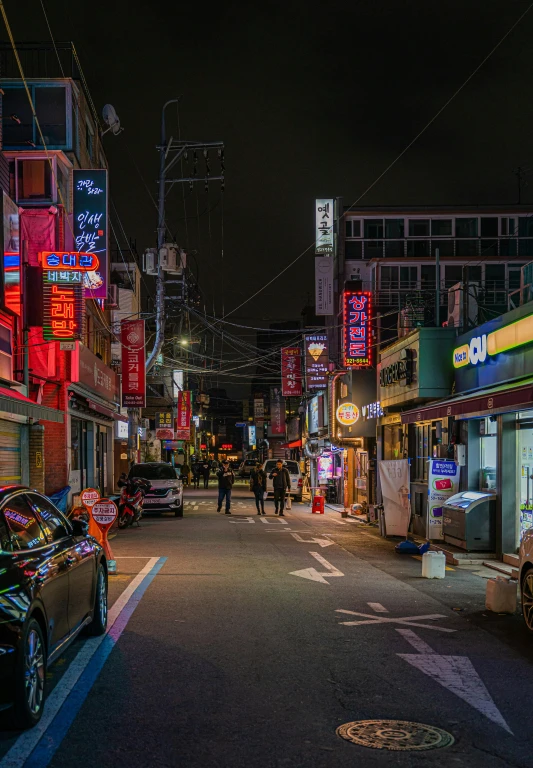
pixel 524 516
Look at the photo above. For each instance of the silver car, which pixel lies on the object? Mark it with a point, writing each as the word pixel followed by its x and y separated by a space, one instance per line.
pixel 166 494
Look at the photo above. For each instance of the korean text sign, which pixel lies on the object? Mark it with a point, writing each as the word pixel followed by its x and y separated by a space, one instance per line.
pixel 443 483
pixel 291 372
pixel 357 329
pixel 183 420
pixel 62 305
pixel 316 361
pixel 133 364
pixel 324 226
pixel 91 227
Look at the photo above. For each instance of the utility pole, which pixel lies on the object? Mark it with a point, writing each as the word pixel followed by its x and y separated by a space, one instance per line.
pixel 180 149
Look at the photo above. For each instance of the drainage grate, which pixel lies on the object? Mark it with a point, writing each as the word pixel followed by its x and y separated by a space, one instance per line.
pixel 395 735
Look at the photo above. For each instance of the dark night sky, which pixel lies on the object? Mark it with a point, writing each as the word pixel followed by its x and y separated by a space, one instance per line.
pixel 311 99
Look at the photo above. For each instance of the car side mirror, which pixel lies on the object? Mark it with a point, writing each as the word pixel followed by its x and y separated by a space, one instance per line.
pixel 79 527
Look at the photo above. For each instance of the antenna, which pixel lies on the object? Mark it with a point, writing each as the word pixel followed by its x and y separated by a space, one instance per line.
pixel 112 120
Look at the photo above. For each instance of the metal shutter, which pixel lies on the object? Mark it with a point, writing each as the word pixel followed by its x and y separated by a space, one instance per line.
pixel 10 471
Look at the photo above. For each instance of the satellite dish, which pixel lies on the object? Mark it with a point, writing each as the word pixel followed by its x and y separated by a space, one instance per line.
pixel 111 119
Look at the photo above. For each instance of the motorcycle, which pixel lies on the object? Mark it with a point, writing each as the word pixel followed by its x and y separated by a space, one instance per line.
pixel 130 504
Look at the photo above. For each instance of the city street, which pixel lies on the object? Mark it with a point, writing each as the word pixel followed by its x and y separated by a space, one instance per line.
pixel 247 641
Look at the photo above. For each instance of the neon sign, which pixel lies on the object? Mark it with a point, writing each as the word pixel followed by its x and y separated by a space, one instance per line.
pixel 357 329
pixel 78 261
pixel 63 309
pixel 502 340
pixel 347 414
pixel 90 225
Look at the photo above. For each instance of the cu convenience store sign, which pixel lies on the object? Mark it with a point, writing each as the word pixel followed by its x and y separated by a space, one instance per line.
pixel 357 319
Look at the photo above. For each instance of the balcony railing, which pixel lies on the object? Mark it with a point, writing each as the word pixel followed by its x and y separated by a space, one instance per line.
pixel 508 247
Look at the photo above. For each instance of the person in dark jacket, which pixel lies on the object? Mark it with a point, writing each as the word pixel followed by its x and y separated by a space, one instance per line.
pixel 196 471
pixel 258 481
pixel 206 469
pixel 226 478
pixel 281 481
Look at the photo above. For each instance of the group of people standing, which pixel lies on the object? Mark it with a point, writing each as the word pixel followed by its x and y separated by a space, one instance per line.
pixel 200 470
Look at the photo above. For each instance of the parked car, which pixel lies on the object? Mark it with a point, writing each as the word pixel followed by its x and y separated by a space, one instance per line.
pixel 526 577
pixel 53 583
pixel 295 474
pixel 166 493
pixel 246 467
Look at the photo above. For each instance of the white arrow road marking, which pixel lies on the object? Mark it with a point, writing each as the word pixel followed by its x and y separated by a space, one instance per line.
pixel 274 521
pixel 410 621
pixel 321 542
pixel 378 608
pixel 314 575
pixel 456 673
pixel 242 520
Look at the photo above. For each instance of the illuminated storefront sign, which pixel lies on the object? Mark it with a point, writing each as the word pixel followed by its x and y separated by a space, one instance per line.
pixel 90 225
pixel 347 414
pixel 357 329
pixel 11 250
pixel 164 420
pixel 291 372
pixel 501 340
pixel 62 307
pixel 251 436
pixel 372 411
pixel 316 361
pixel 324 227
pixel 132 337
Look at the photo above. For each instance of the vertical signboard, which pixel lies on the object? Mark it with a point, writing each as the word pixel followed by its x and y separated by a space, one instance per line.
pixel 316 361
pixel 62 305
pixel 183 420
pixel 324 226
pixel 277 412
pixel 11 254
pixel 90 226
pixel 259 408
pixel 324 286
pixel 291 372
pixel 251 436
pixel 443 482
pixel 357 322
pixel 133 364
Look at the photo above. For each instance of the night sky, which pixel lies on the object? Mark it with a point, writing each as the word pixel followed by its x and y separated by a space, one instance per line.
pixel 311 99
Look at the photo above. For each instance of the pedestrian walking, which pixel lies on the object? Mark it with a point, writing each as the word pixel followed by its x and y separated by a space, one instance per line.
pixel 196 471
pixel 258 481
pixel 282 482
pixel 185 472
pixel 206 469
pixel 226 478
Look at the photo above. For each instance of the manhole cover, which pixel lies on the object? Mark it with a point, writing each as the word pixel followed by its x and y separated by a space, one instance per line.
pixel 394 734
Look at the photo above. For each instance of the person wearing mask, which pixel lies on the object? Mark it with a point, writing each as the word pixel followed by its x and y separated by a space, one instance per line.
pixel 258 480
pixel 206 469
pixel 226 478
pixel 281 481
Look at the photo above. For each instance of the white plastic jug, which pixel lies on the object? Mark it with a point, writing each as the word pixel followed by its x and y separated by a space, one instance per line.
pixel 433 565
pixel 500 596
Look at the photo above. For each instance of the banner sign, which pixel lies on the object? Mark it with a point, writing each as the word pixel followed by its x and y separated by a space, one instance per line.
pixel 259 408
pixel 443 482
pixel 324 226
pixel 164 433
pixel 164 420
pixel 251 436
pixel 90 225
pixel 183 434
pixel 183 420
pixel 324 286
pixel 133 364
pixel 395 485
pixel 357 319
pixel 291 372
pixel 316 361
pixel 277 412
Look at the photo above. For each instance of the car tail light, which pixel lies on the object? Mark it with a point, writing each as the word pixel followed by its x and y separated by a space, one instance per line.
pixel 300 482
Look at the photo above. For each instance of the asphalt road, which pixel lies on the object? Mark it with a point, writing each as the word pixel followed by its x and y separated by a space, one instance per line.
pixel 222 657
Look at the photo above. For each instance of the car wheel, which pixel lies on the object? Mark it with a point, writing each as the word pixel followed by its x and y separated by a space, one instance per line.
pixel 99 623
pixel 179 511
pixel 526 589
pixel 30 677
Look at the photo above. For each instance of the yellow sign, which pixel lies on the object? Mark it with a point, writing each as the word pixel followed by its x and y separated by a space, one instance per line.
pixel 510 336
pixel 347 414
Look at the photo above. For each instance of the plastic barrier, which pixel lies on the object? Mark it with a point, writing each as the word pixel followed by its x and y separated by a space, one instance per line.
pixel 318 505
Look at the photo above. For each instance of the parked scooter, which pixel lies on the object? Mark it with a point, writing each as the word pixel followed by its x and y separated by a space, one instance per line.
pixel 130 504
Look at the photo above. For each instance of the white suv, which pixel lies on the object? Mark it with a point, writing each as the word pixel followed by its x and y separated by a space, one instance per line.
pixel 295 474
pixel 167 488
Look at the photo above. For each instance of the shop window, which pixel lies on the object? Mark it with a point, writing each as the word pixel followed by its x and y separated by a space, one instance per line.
pixel 374 229
pixel 466 227
pixel 418 227
pixel 34 181
pixel 441 227
pixel 488 453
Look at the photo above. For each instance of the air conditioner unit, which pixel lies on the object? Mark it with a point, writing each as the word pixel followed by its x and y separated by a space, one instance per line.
pixel 150 261
pixel 456 317
pixel 112 297
pixel 169 257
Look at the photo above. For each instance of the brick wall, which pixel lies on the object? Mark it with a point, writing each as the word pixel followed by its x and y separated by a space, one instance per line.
pixel 37 457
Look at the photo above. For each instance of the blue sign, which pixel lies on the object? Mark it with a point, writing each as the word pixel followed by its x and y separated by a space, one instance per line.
pixel 90 226
pixel 241 424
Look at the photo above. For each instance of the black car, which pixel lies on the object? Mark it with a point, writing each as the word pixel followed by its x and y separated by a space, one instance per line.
pixel 53 583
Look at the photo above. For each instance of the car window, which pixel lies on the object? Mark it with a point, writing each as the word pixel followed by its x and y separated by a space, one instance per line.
pixel 54 524
pixel 154 471
pixel 292 466
pixel 24 529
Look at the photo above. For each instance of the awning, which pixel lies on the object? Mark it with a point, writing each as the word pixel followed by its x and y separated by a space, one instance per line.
pixel 11 401
pixel 294 444
pixel 485 402
pixel 105 411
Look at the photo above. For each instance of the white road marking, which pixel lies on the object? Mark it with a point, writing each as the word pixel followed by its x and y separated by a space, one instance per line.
pixel 333 520
pixel 242 520
pixel 27 741
pixel 409 621
pixel 320 542
pixel 313 575
pixel 273 520
pixel 457 674
pixel 415 641
pixel 378 608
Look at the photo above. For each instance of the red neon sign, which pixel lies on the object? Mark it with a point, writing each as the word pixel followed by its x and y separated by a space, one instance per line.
pixel 226 446
pixel 63 307
pixel 357 329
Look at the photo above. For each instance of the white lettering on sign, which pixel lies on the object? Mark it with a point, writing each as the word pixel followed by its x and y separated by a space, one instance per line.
pixel 104 512
pixel 474 352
